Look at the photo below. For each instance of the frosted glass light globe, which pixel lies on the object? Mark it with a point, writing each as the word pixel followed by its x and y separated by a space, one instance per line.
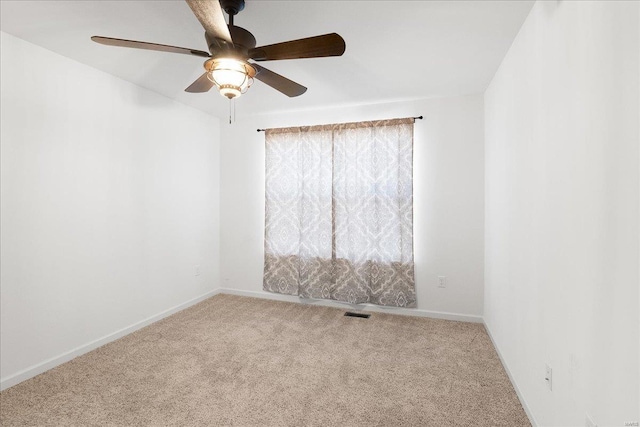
pixel 231 76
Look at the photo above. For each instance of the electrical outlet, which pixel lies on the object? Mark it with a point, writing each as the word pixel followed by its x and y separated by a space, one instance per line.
pixel 588 421
pixel 442 282
pixel 548 376
pixel 196 270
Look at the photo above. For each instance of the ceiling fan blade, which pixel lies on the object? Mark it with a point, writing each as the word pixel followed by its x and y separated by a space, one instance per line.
pixel 202 84
pixel 148 46
pixel 278 82
pixel 210 15
pixel 311 47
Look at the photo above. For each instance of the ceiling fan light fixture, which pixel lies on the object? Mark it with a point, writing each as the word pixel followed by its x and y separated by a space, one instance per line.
pixel 231 48
pixel 231 76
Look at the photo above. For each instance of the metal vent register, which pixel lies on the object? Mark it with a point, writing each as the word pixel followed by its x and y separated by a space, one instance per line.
pixel 361 315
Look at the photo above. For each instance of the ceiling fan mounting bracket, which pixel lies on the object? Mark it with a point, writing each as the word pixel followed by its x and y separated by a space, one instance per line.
pixel 232 7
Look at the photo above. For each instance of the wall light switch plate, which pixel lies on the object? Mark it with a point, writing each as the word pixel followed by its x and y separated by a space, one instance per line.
pixel 196 270
pixel 442 282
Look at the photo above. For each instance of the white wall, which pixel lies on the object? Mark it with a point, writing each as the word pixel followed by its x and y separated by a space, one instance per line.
pixel 561 252
pixel 109 197
pixel 448 195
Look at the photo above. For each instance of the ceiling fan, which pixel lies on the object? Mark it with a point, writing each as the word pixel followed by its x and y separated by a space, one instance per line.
pixel 231 47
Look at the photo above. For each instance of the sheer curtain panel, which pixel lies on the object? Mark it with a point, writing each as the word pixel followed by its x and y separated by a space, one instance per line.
pixel 339 212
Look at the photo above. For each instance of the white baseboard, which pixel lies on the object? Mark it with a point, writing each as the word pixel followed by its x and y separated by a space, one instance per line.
pixel 523 402
pixel 366 307
pixel 32 371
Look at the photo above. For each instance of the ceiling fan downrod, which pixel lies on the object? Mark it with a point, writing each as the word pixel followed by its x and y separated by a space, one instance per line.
pixel 232 7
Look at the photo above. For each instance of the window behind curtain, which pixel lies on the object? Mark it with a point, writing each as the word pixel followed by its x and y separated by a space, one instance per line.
pixel 339 212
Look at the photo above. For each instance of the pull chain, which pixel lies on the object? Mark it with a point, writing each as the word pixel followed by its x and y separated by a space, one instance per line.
pixel 232 110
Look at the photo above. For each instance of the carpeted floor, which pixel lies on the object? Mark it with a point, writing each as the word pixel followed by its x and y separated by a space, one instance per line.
pixel 251 362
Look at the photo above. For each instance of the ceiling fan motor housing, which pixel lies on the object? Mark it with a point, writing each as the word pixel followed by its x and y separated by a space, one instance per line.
pixel 243 40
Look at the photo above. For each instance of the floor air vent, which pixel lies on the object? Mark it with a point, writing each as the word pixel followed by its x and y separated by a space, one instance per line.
pixel 361 315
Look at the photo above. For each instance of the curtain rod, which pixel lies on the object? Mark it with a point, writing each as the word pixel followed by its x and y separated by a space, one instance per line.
pixel 414 118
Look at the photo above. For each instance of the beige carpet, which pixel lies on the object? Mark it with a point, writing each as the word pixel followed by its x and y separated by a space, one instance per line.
pixel 250 362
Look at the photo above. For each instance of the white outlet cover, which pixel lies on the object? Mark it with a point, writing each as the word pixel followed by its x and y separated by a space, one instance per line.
pixel 442 281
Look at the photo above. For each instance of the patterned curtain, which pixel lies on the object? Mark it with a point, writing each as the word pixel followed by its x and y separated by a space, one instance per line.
pixel 339 212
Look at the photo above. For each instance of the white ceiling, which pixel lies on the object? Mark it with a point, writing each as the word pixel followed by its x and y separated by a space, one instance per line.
pixel 395 49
